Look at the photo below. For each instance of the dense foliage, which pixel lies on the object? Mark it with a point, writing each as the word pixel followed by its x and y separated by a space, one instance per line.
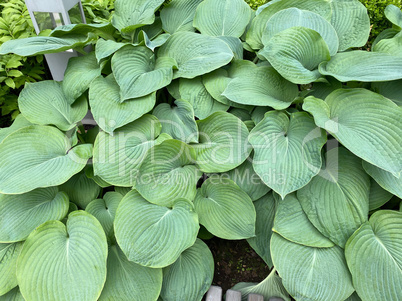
pixel 298 150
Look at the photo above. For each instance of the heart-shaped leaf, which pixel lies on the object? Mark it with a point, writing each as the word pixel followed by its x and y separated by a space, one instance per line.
pixel 168 172
pixel 299 142
pixel 45 103
pixel 152 235
pixel 196 258
pixel 225 210
pixel 178 15
pixel 374 257
pixel 71 258
pixel 29 161
pixel 22 213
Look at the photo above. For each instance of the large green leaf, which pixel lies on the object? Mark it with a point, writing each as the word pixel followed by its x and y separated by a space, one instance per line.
pixel 259 23
pixel 45 103
pixel 139 73
pixel 128 281
pixel 194 91
pixel 366 123
pixel 299 143
pixel 131 14
pixel 105 30
pixel 363 66
pixel 42 45
pixel 247 179
pixel 336 201
pixel 391 46
pixel 394 14
pixel 178 15
pixel 311 273
pixel 39 156
pixel 292 223
pixel 225 210
pixel 59 262
pixel 391 90
pixel 178 121
pixel 152 235
pixel 385 179
pixel 222 18
pixel 222 143
pixel 351 22
pixel 81 190
pixel 261 86
pixel 22 213
pixel 265 209
pixel 105 211
pixel 196 258
pixel 168 172
pixel 292 17
pixel 270 287
pixel 117 158
pixel 195 54
pixel 296 53
pixel 374 257
pixel 108 109
pixel 80 72
pixel 8 263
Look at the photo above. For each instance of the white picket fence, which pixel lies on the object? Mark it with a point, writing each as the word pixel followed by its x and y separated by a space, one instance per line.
pixel 215 294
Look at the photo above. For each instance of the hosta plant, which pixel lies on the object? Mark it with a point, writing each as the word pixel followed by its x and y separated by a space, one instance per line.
pixel 262 125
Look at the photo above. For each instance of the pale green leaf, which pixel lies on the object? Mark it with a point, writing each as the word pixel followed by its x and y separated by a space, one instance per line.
pixel 299 143
pixel 336 201
pixel 108 109
pixel 117 158
pixel 235 45
pixel 105 211
pixel 128 281
pixel 19 122
pixel 374 257
pixel 80 189
pixel 391 46
pixel 309 273
pixel 105 48
pixel 270 287
pixel 39 156
pixel 41 45
pixel 203 103
pixel 131 14
pixel 366 123
pixel 222 18
pixel 296 53
pixel 71 258
pixel 225 210
pixel 222 143
pixel 259 23
pixel 104 30
pixel 261 86
pixel 292 17
pixel 196 258
pixel 80 72
pixel 394 15
pixel 351 22
pixel 168 172
pixel 178 15
pixel 292 223
pixel 152 235
pixel 22 213
pixel 378 196
pixel 139 73
pixel 45 103
pixel 363 66
pixel 178 121
pixel 195 54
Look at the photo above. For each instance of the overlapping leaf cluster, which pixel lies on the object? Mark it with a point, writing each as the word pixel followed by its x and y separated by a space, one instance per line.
pixel 298 151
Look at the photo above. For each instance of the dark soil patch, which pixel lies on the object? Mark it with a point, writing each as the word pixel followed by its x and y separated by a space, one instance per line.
pixel 5 121
pixel 235 261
